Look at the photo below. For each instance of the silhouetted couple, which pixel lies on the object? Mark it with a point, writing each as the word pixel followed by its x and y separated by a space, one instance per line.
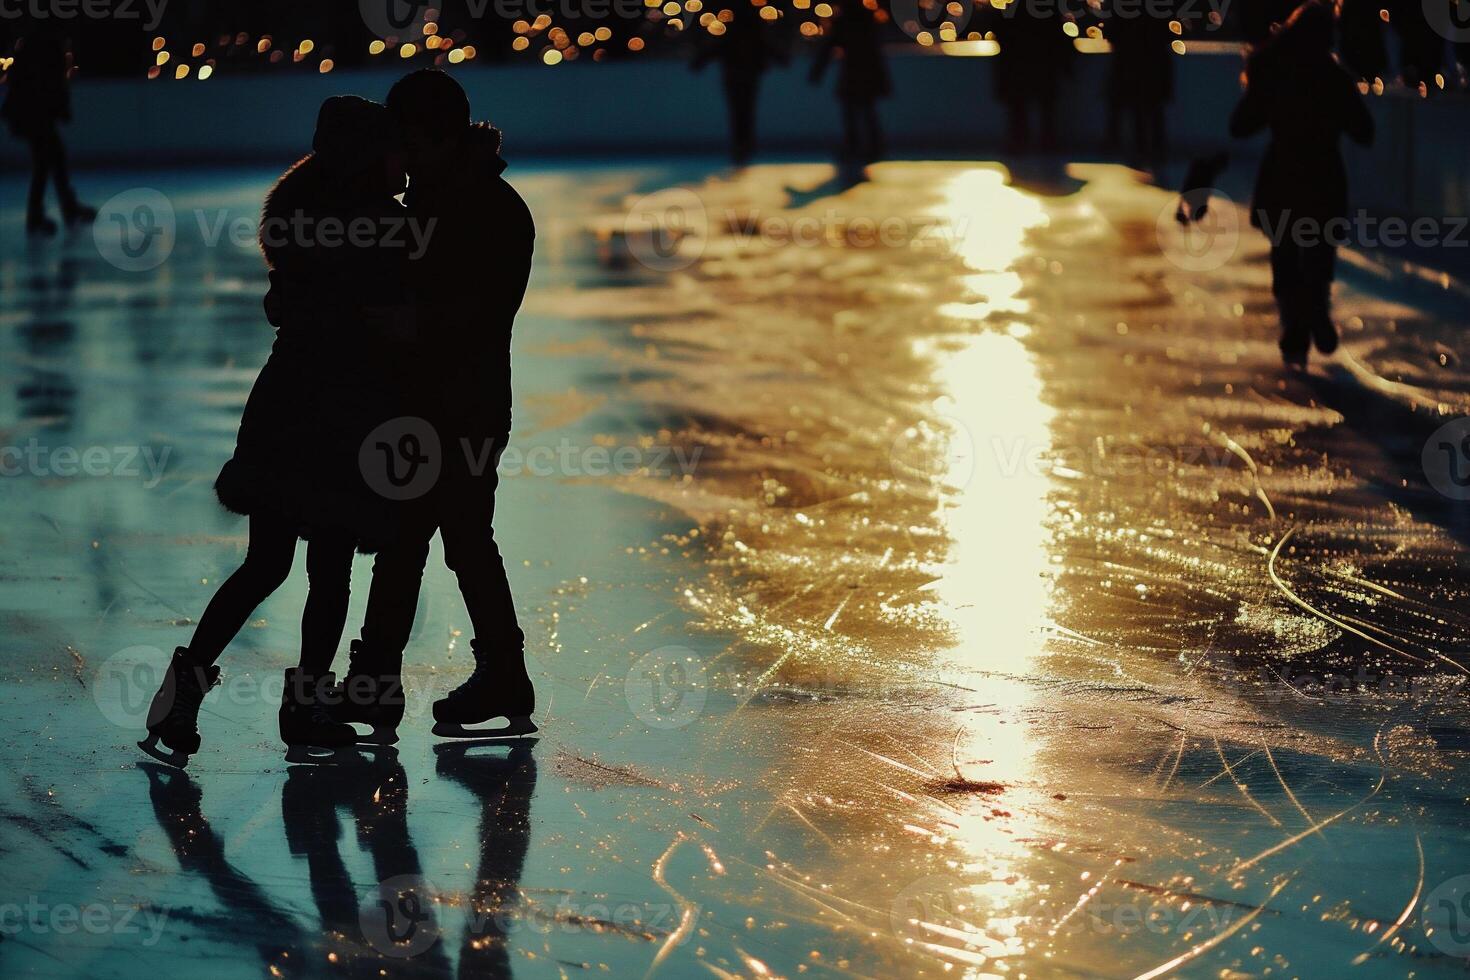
pixel 378 419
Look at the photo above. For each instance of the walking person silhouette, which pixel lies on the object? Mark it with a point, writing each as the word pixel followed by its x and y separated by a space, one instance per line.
pixel 295 472
pixel 39 100
pixel 1296 89
pixel 744 51
pixel 862 80
pixel 472 279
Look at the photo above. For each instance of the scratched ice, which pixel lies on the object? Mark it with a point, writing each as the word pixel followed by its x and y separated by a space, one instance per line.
pixel 931 577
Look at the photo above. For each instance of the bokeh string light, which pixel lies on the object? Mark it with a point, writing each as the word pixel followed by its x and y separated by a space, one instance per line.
pixel 453 37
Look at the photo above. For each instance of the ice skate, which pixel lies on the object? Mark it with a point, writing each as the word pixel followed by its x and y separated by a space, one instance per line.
pixel 1324 335
pixel 77 214
pixel 370 697
pixel 499 688
pixel 306 718
pixel 40 226
pixel 173 716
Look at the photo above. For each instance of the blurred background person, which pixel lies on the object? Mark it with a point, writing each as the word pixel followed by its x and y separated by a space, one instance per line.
pixel 1140 85
pixel 862 79
pixel 1034 56
pixel 1296 89
pixel 38 101
pixel 744 49
pixel 1421 46
pixel 1360 32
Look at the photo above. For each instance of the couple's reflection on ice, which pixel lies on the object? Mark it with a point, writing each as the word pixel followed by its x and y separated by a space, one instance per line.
pixel 392 927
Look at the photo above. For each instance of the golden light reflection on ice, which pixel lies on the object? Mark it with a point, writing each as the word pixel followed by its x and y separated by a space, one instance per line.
pixel 993 507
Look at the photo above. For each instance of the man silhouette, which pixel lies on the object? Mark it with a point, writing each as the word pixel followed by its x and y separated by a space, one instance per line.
pixel 472 277
pixel 38 101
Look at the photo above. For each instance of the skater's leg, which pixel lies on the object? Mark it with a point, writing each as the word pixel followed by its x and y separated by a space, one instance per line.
pixel 470 551
pixel 740 96
pixel 1319 266
pixel 500 684
pixel 874 131
pixel 393 598
pixel 1046 105
pixel 40 176
pixel 267 563
pixel 851 131
pixel 329 574
pixel 1158 141
pixel 60 174
pixel 1286 286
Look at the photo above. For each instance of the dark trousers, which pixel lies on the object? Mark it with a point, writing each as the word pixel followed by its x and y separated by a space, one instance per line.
pixel 1301 281
pixel 740 99
pixel 1018 120
pixel 267 562
pixel 862 135
pixel 48 163
pixel 462 510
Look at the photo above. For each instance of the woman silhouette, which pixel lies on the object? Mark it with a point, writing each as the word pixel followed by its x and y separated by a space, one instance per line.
pixel 325 387
pixel 1297 90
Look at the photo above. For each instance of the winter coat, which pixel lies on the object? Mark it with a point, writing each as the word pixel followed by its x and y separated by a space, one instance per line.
pixel 1141 69
pixel 862 74
pixel 37 94
pixel 471 280
pixel 1034 54
pixel 330 379
pixel 1307 103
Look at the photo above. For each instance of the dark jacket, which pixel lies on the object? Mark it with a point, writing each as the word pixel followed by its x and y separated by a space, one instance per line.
pixel 1035 54
pixel 1141 68
pixel 744 51
pixel 37 93
pixel 862 74
pixel 471 280
pixel 1308 102
pixel 330 379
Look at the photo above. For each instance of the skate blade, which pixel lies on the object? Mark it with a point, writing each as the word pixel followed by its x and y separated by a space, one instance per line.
pixel 378 735
pixel 324 755
pixel 169 757
pixel 515 728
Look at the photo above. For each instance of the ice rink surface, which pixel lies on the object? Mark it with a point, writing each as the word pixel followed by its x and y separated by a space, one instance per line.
pixel 932 576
